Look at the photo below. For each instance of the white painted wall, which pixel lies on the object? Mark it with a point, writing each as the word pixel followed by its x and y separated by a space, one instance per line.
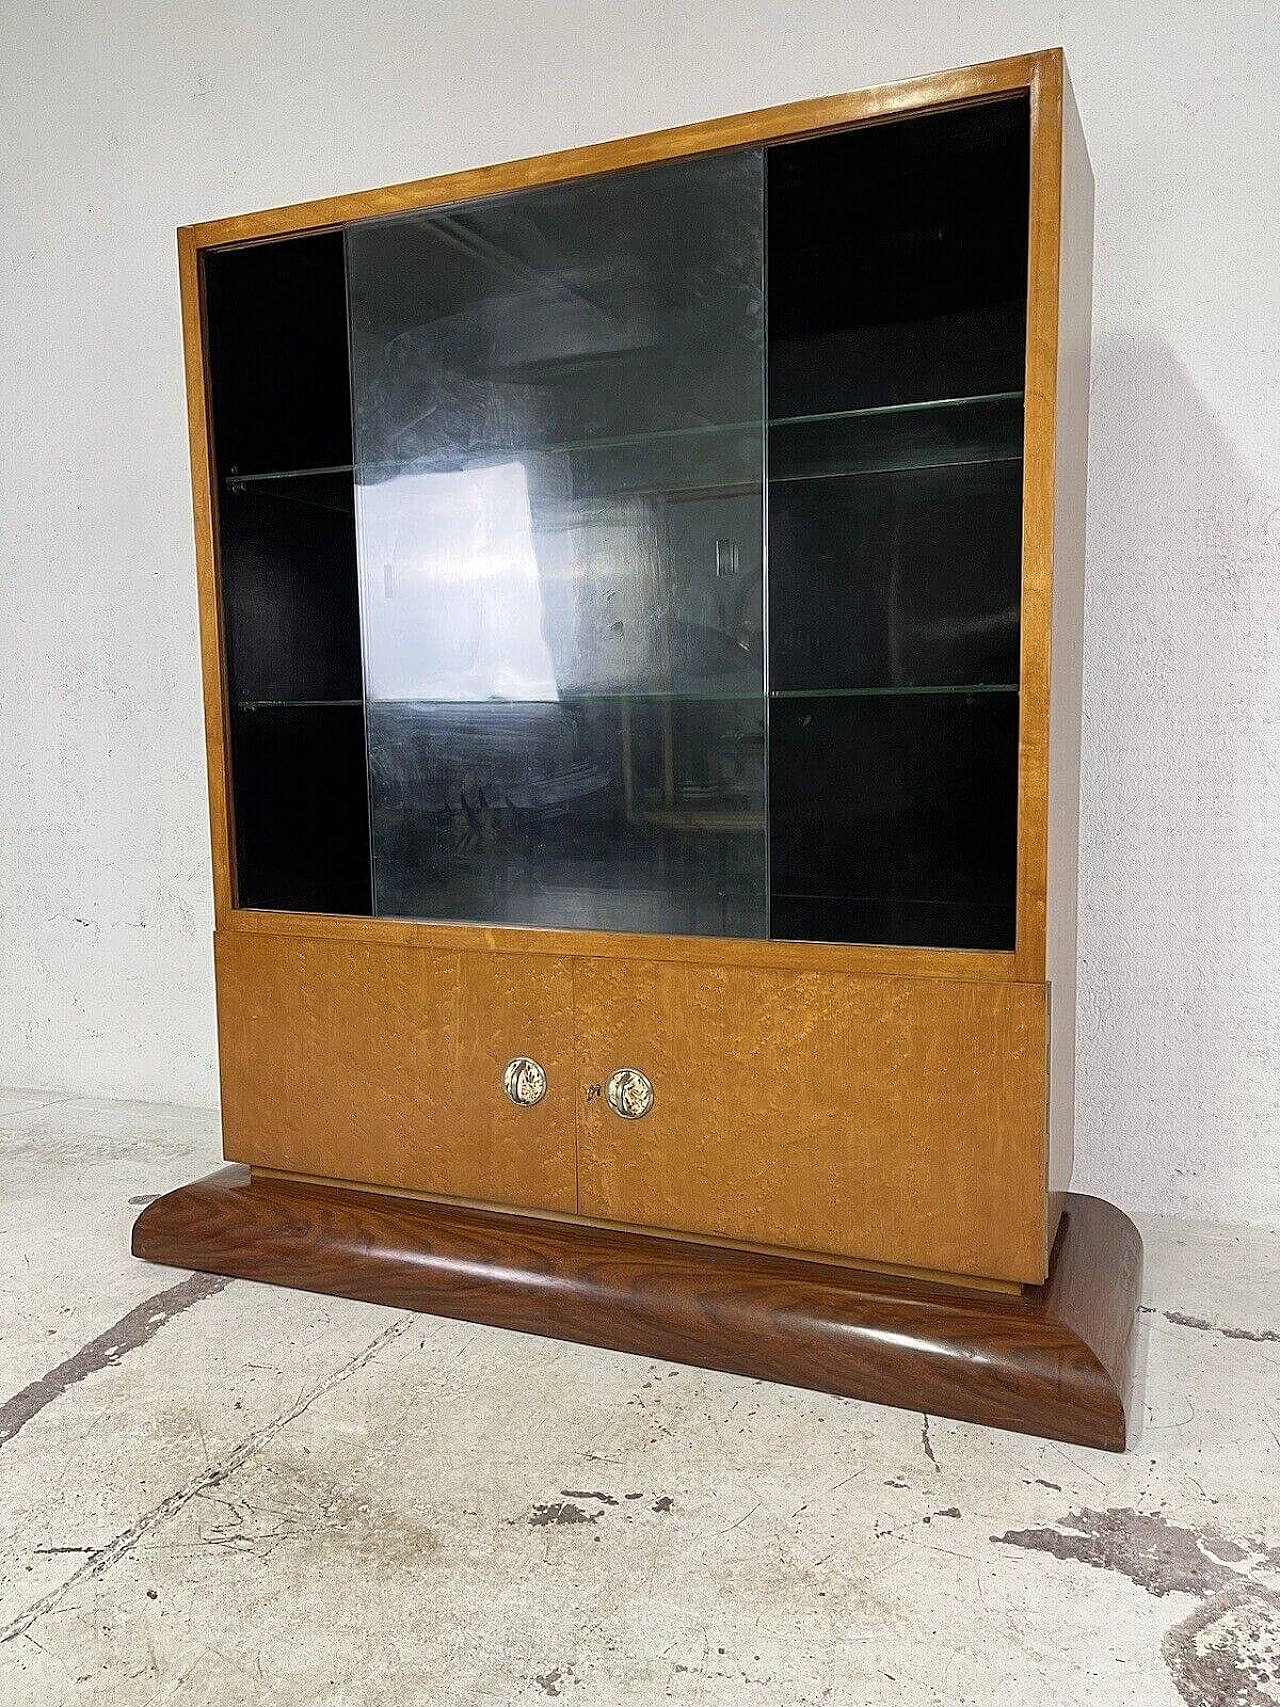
pixel 122 120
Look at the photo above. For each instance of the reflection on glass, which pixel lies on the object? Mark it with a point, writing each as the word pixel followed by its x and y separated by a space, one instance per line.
pixel 558 411
pixel 453 604
pixel 603 813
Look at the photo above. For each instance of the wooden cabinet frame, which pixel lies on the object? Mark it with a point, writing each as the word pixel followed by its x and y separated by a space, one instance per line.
pixel 850 979
pixel 1052 530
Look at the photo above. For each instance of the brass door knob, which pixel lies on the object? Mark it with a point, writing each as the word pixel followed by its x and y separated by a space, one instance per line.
pixel 628 1093
pixel 524 1081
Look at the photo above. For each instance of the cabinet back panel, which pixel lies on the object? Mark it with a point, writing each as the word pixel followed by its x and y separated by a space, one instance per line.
pixel 893 1119
pixel 383 1065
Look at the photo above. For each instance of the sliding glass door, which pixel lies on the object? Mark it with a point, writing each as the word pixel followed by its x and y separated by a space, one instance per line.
pixel 507 489
pixel 559 430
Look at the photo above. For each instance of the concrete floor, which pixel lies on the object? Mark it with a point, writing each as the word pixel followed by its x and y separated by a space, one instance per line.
pixel 223 1493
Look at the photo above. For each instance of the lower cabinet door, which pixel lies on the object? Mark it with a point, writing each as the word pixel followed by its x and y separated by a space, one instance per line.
pixel 896 1120
pixel 384 1065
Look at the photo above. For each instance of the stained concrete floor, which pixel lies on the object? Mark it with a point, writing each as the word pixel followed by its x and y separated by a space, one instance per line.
pixel 223 1493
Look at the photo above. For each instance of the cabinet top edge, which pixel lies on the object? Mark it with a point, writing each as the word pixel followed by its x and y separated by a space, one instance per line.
pixel 1044 69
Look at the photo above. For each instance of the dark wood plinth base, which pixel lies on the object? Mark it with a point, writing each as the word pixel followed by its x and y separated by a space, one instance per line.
pixel 1056 1361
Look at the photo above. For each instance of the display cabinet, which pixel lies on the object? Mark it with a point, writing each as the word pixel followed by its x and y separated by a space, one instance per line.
pixel 641 605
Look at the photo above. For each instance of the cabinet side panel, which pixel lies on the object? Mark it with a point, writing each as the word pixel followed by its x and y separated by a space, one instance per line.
pixel 383 1065
pixel 221 827
pixel 888 1120
pixel 1072 449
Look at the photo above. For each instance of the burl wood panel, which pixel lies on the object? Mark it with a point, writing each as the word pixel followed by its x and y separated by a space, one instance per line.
pixel 1055 1361
pixel 888 1119
pixel 383 1064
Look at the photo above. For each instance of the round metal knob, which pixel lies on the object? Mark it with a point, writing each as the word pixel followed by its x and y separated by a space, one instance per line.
pixel 629 1093
pixel 524 1081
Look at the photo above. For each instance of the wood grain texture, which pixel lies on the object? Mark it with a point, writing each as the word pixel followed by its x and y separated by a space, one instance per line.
pixel 739 130
pixel 1071 455
pixel 1056 1361
pixel 937 1275
pixel 384 1065
pixel 1039 416
pixel 968 964
pixel 204 516
pixel 895 1120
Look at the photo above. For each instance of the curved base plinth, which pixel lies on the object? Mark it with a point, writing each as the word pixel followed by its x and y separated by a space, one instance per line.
pixel 1055 1361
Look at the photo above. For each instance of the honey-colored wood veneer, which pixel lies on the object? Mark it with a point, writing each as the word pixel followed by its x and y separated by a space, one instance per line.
pixel 900 1120
pixel 1070 461
pixel 377 1062
pixel 892 1120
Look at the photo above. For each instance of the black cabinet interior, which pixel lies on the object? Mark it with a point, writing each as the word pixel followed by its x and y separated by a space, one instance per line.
pixel 897 271
pixel 281 419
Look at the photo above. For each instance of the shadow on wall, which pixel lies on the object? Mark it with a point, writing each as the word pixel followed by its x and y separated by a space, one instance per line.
pixel 1180 819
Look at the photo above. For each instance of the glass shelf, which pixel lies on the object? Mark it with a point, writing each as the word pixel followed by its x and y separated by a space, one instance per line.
pixel 897 439
pixel 234 481
pixel 297 704
pixel 660 696
pixel 893 692
pixel 1000 411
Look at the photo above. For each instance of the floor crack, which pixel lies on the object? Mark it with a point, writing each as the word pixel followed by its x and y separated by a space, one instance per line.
pixel 928 1444
pixel 103 1558
pixel 131 1332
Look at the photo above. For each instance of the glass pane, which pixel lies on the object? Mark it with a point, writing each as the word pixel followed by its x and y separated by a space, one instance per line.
pixel 905 580
pixel 280 392
pixel 302 823
pixel 558 404
pixel 894 817
pixel 897 270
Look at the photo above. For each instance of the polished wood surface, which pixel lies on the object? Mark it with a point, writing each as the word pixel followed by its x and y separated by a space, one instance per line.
pixel 1039 413
pixel 970 964
pixel 1070 463
pixel 1056 1361
pixel 208 587
pixel 890 1120
pixel 900 1120
pixel 385 1063
pixel 941 1275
